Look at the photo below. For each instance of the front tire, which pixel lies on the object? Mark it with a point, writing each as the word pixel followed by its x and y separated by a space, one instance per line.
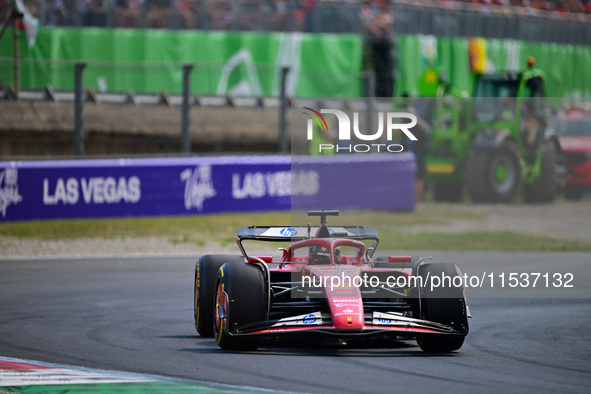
pixel 239 300
pixel 494 176
pixel 206 270
pixel 445 305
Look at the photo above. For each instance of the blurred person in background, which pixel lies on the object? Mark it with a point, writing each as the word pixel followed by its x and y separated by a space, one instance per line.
pixel 96 12
pixel 188 12
pixel 158 13
pixel 219 15
pixel 422 108
pixel 248 16
pixel 287 17
pixel 60 12
pixel 127 13
pixel 278 11
pixel 533 119
pixel 378 35
pixel 83 11
pixel 33 7
pixel 4 15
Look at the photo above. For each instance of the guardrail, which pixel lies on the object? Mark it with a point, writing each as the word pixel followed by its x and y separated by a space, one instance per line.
pixel 193 186
pixel 187 102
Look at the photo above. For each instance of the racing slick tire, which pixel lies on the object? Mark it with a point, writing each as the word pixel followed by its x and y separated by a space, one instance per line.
pixel 442 304
pixel 494 176
pixel 544 190
pixel 239 300
pixel 206 270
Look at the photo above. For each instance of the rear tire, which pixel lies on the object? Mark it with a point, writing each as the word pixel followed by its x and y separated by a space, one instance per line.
pixel 544 190
pixel 494 176
pixel 206 270
pixel 239 300
pixel 445 305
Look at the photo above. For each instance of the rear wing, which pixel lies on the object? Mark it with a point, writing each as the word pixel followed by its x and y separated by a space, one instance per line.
pixel 291 234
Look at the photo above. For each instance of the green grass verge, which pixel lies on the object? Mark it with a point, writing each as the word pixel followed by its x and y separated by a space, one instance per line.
pixel 481 240
pixel 192 229
pixel 221 229
pixel 188 228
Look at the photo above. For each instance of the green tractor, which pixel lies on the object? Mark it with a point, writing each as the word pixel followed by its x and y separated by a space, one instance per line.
pixel 494 144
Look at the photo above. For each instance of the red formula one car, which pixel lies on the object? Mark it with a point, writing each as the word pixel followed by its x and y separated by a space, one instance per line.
pixel 327 284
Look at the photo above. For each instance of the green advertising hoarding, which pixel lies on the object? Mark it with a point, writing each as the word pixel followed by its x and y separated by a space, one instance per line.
pixel 565 66
pixel 151 61
pixel 245 63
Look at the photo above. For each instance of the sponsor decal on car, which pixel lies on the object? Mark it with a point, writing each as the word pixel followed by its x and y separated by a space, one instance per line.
pixel 307 319
pixel 301 231
pixel 383 320
pixel 288 232
pixel 380 318
pixel 352 301
pixel 348 314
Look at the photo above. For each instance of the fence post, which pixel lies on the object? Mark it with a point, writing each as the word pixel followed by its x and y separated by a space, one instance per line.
pixel 185 120
pixel 283 111
pixel 143 16
pixel 16 16
pixel 78 110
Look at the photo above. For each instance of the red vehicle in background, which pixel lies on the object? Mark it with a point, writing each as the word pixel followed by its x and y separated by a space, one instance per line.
pixel 573 129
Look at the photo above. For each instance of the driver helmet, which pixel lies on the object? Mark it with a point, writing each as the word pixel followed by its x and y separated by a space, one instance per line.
pixel 319 255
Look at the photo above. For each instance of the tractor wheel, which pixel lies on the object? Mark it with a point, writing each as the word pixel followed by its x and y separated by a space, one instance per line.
pixel 544 190
pixel 573 193
pixel 494 176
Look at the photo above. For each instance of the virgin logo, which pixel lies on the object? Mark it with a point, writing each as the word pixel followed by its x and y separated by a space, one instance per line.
pixel 198 186
pixel 9 189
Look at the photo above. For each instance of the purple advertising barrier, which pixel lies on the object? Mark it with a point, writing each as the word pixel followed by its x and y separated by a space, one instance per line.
pixel 181 186
pixel 355 181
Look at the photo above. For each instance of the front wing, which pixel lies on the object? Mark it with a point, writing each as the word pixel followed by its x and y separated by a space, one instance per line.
pixel 377 324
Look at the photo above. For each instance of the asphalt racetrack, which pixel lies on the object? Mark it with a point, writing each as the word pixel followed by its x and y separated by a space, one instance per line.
pixel 136 315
